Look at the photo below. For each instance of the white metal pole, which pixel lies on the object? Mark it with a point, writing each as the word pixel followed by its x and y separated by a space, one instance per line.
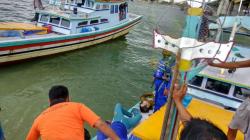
pixel 234 29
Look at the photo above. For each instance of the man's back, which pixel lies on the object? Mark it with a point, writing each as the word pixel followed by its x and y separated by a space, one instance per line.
pixel 63 121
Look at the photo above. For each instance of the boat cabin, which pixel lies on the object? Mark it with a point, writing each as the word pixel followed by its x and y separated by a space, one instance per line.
pixel 217 85
pixel 82 16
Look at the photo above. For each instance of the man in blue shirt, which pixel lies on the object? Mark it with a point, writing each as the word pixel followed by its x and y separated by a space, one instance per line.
pixel 162 80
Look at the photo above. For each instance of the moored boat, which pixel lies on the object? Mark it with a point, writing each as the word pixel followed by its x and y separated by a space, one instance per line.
pixel 228 18
pixel 214 88
pixel 214 94
pixel 65 27
pixel 222 86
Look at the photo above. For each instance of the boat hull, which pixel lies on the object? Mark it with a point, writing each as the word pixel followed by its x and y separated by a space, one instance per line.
pixel 32 48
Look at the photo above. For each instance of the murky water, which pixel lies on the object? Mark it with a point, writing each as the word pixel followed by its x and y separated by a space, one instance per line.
pixel 101 76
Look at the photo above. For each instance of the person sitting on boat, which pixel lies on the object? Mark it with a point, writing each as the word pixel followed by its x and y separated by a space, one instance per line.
pixel 122 122
pixel 64 120
pixel 162 82
pixel 129 118
pixel 194 128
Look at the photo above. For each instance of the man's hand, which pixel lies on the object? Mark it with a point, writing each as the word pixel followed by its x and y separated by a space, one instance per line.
pixel 231 134
pixel 230 65
pixel 166 92
pixel 103 127
pixel 179 93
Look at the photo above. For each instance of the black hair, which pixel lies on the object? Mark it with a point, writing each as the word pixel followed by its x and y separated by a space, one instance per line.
pixel 57 94
pixel 198 129
pixel 144 109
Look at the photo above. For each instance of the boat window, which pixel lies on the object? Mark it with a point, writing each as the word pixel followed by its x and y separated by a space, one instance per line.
pixel 116 8
pixel 104 20
pixel 196 81
pixel 83 23
pixel 98 6
pixel 65 23
pixel 80 3
pixel 112 9
pixel 44 18
pixel 88 3
pixel 93 21
pixel 218 86
pixel 91 4
pixel 54 20
pixel 240 92
pixel 105 6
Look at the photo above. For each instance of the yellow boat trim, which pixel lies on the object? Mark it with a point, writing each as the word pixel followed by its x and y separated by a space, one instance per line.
pixel 19 26
pixel 150 129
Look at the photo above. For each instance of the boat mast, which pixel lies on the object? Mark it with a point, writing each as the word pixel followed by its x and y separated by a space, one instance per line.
pixel 234 29
pixel 169 127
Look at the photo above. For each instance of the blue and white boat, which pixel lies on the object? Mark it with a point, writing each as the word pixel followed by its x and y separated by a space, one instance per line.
pixel 227 23
pixel 65 26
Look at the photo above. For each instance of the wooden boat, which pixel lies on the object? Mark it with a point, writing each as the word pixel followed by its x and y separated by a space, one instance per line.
pixel 228 18
pixel 69 26
pixel 221 86
pixel 149 129
pixel 196 3
pixel 227 23
pixel 216 89
pixel 221 98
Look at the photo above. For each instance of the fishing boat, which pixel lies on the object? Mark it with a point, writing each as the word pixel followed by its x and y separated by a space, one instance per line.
pixel 227 18
pixel 228 22
pixel 196 3
pixel 216 92
pixel 213 90
pixel 63 27
pixel 221 86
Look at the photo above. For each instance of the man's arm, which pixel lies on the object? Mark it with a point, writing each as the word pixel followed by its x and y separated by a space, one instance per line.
pixel 33 133
pixel 231 134
pixel 231 65
pixel 178 96
pixel 104 128
pixel 95 121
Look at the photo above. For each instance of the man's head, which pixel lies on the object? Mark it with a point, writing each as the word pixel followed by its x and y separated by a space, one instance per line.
pixel 198 129
pixel 58 94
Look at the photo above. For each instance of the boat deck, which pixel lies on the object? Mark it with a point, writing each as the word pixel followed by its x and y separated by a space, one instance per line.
pixel 150 128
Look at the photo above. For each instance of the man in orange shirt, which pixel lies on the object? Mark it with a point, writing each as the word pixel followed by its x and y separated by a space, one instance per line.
pixel 64 120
